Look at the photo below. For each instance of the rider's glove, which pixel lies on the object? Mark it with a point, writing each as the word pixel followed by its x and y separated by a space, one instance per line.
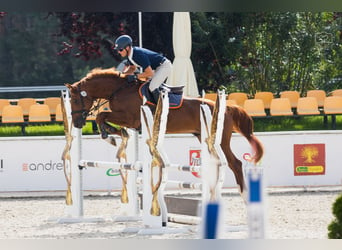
pixel 132 78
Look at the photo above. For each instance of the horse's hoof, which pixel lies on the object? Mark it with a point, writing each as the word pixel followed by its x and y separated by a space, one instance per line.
pixel 104 136
pixel 112 140
pixel 124 133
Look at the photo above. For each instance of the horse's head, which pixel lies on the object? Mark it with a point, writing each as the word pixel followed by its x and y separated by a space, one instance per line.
pixel 81 104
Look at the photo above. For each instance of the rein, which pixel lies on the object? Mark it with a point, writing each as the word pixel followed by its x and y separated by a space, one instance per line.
pixel 121 88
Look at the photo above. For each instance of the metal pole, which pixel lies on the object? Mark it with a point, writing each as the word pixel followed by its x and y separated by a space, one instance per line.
pixel 140 29
pixel 140 32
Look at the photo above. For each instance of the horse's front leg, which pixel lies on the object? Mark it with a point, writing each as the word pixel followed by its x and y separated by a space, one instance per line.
pixel 106 128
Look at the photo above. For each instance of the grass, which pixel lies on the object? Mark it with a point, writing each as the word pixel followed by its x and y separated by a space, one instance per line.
pixel 40 130
pixel 267 124
pixel 298 123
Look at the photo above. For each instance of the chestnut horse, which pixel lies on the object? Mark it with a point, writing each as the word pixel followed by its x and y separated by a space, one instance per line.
pixel 125 102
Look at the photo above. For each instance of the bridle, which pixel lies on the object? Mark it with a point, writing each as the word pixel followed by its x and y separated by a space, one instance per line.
pixel 83 94
pixel 83 111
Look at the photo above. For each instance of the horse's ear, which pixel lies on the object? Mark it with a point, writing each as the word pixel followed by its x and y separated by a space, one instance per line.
pixel 68 85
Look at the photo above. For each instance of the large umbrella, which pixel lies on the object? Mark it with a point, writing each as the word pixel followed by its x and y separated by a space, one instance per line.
pixel 183 72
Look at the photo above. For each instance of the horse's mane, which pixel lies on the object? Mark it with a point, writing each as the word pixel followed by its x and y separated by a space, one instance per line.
pixel 99 72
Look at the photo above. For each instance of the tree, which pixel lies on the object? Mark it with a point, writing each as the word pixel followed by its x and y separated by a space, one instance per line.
pixel 266 51
pixel 247 52
pixel 90 33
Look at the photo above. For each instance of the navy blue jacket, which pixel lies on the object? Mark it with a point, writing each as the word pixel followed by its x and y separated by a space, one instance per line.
pixel 145 57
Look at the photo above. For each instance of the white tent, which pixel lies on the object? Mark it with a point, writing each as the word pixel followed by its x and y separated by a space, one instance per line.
pixel 183 72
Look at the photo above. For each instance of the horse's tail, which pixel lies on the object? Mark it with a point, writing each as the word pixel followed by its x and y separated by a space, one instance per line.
pixel 244 125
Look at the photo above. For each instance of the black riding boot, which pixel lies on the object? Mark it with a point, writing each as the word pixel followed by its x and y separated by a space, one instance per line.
pixel 155 94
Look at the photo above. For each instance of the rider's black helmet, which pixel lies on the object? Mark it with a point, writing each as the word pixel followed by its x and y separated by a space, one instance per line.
pixel 122 42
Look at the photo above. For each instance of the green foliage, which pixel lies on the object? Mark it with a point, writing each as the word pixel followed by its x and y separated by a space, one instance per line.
pixel 267 51
pixel 300 123
pixel 41 130
pixel 268 124
pixel 335 227
pixel 249 52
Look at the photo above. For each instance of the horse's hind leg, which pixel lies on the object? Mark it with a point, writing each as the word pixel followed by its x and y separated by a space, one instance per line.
pixel 236 166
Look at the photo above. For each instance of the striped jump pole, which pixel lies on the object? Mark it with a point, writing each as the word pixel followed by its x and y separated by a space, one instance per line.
pixel 256 198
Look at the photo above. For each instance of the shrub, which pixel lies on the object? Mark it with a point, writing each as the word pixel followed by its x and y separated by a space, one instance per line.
pixel 335 227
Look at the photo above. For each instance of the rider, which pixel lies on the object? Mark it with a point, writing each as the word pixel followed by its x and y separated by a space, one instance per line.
pixel 154 65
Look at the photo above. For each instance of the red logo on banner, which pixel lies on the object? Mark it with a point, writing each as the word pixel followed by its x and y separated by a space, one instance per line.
pixel 195 160
pixel 309 159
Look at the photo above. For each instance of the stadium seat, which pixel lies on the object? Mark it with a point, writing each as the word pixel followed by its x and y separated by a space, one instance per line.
pixel 39 113
pixel 239 97
pixel 333 105
pixel 3 103
pixel 211 96
pixel 336 92
pixel 255 107
pixel 319 94
pixel 266 97
pixel 307 106
pixel 12 114
pixel 26 103
pixel 280 107
pixel 52 102
pixel 230 102
pixel 293 97
pixel 59 114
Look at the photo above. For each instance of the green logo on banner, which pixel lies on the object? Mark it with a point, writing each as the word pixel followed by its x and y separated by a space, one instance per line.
pixel 112 172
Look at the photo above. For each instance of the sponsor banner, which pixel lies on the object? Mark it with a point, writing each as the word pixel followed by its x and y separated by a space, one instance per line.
pixel 195 160
pixel 34 163
pixel 309 159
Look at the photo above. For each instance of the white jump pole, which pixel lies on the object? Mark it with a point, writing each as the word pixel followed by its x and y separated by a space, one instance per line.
pixel 256 199
pixel 154 224
pixel 74 212
pixel 212 170
pixel 76 209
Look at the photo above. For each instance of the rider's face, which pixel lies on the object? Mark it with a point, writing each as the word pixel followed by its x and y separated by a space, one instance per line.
pixel 123 52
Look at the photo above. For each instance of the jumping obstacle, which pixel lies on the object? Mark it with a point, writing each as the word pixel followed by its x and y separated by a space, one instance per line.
pixel 156 165
pixel 74 164
pixel 214 163
pixel 211 168
pixel 71 156
pixel 128 166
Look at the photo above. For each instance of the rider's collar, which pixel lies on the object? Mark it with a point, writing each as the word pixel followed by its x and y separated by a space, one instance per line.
pixel 130 57
pixel 130 54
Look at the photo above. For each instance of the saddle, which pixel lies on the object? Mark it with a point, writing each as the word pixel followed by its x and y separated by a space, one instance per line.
pixel 175 94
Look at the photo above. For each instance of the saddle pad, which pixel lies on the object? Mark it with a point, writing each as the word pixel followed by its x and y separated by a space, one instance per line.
pixel 175 99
